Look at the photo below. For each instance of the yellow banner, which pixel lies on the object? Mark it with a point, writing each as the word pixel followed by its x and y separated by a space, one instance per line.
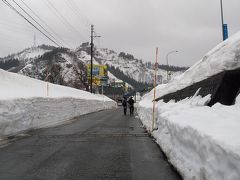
pixel 99 73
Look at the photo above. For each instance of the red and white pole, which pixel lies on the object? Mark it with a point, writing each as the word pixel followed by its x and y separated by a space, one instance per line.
pixel 154 93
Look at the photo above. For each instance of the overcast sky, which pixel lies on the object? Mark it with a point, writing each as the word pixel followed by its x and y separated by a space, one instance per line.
pixel 192 27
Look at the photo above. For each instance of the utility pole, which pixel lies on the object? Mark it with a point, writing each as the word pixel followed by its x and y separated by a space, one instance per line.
pixel 222 20
pixel 92 30
pixel 92 46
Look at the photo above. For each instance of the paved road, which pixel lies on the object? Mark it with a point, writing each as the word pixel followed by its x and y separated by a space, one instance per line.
pixel 102 145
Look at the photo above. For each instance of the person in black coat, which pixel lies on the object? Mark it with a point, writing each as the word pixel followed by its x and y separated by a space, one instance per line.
pixel 124 104
pixel 131 105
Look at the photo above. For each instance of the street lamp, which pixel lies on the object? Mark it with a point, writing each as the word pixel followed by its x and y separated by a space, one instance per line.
pixel 168 73
pixel 221 4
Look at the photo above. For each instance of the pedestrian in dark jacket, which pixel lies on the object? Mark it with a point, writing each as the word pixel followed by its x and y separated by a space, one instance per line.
pixel 124 104
pixel 131 105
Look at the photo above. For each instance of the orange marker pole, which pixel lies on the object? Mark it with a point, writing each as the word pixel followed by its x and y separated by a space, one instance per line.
pixel 154 94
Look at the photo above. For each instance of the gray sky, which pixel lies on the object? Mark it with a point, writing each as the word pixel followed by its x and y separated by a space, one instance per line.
pixel 192 27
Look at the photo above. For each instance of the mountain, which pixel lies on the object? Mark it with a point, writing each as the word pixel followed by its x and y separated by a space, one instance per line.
pixel 57 65
pixel 68 67
pixel 130 66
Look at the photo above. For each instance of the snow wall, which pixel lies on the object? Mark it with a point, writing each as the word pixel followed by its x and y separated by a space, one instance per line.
pixel 201 142
pixel 23 114
pixel 25 105
pixel 223 57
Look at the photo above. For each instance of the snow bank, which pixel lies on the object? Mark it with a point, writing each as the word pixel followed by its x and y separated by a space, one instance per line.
pixel 225 56
pixel 18 86
pixel 24 103
pixel 201 142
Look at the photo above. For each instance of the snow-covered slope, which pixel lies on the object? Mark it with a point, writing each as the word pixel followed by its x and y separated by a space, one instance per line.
pixel 61 64
pixel 67 67
pixel 31 53
pixel 128 64
pixel 133 67
pixel 225 56
pixel 24 103
pixel 201 142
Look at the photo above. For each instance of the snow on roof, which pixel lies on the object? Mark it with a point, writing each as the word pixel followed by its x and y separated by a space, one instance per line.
pixel 225 56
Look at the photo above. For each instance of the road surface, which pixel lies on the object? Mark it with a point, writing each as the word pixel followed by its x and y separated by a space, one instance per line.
pixel 103 145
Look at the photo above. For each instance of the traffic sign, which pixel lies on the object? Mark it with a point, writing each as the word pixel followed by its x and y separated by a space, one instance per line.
pixel 225 31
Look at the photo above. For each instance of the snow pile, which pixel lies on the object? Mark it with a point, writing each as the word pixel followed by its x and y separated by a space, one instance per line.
pixel 201 142
pixel 225 56
pixel 18 86
pixel 24 103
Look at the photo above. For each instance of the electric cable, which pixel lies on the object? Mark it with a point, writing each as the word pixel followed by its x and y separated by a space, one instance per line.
pixel 21 15
pixel 46 24
pixel 64 19
pixel 76 11
pixel 37 23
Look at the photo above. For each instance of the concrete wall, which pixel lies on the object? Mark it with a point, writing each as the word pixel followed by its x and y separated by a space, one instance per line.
pixel 224 88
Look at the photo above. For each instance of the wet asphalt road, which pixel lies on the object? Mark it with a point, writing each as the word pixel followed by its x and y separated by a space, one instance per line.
pixel 102 145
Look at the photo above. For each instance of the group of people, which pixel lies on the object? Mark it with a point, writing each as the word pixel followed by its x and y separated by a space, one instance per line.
pixel 128 103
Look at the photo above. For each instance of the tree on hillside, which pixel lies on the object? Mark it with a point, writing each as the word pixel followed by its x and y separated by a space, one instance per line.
pixel 166 67
pixel 9 64
pixel 138 86
pixel 126 56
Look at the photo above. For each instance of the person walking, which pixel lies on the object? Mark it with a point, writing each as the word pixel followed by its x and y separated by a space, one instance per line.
pixel 131 105
pixel 124 104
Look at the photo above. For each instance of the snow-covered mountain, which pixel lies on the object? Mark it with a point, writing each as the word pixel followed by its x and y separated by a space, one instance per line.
pixel 57 65
pixel 128 64
pixel 67 67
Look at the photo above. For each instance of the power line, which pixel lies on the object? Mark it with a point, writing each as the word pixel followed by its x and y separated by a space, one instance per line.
pixel 37 22
pixel 63 18
pixel 72 17
pixel 21 15
pixel 73 6
pixel 54 11
pixel 45 24
pixel 78 10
